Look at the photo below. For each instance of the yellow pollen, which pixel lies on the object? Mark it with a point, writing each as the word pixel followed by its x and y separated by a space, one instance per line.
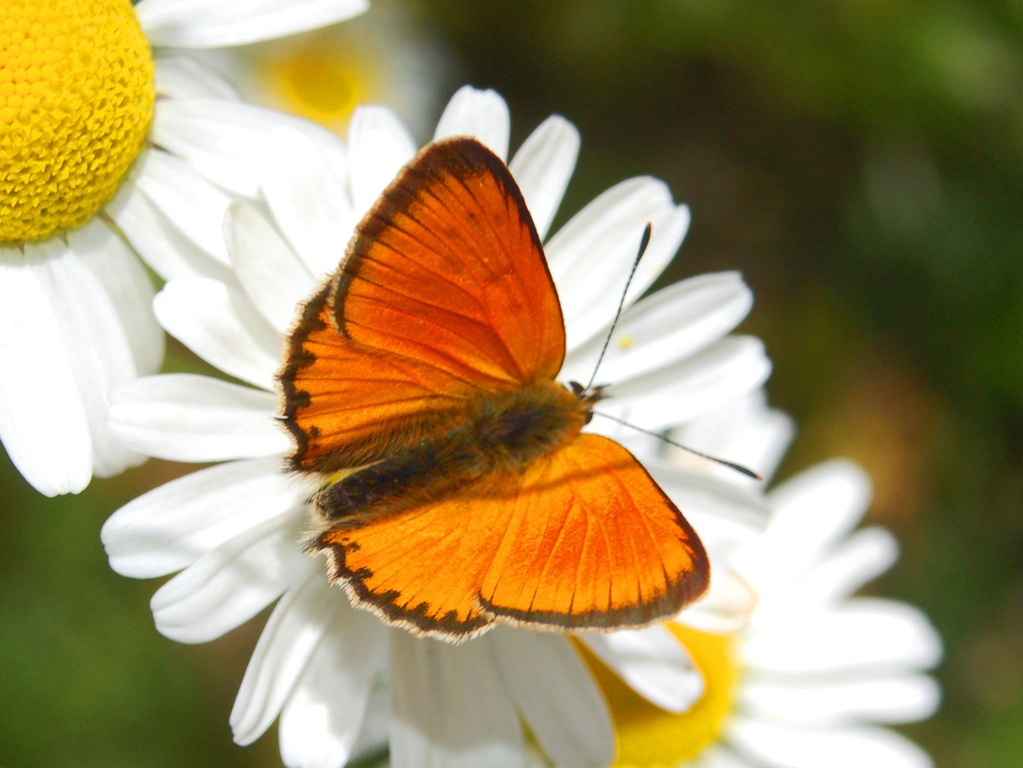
pixel 320 80
pixel 650 737
pixel 76 101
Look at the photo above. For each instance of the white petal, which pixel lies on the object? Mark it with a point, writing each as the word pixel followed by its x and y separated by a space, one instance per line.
pixel 380 146
pixel 172 526
pixel 231 143
pixel 95 339
pixel 862 557
pixel 591 256
pixel 542 167
pixel 557 696
pixel 288 642
pixel 812 511
pixel 42 419
pixel 308 202
pixel 450 707
pixel 190 202
pixel 721 511
pixel 275 279
pixel 219 324
pixel 718 756
pixel 651 662
pixel 812 702
pixel 321 719
pixel 482 114
pixel 866 633
pixel 375 735
pixel 718 374
pixel 726 607
pixel 185 77
pixel 126 283
pixel 232 583
pixel 745 431
pixel 200 24
pixel 850 747
pixel 160 244
pixel 184 417
pixel 663 328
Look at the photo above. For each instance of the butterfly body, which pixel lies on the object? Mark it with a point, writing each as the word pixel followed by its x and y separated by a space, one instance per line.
pixel 459 489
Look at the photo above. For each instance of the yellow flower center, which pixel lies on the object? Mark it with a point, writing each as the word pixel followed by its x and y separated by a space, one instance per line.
pixel 650 737
pixel 320 80
pixel 76 101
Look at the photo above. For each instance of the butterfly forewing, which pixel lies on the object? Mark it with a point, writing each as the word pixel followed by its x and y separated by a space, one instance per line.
pixel 444 294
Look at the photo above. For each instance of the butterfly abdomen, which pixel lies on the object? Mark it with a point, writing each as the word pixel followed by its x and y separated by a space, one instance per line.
pixel 499 433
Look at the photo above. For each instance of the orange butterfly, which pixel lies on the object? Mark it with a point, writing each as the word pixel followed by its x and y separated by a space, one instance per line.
pixel 459 491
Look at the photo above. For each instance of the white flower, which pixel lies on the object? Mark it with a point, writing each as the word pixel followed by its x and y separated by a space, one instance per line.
pixel 102 144
pixel 384 57
pixel 816 672
pixel 235 529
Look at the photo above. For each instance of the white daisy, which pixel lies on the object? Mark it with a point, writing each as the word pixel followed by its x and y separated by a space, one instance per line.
pixel 102 143
pixel 383 57
pixel 816 672
pixel 235 529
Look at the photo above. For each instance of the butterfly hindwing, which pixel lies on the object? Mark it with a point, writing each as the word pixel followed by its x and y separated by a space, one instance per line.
pixel 444 293
pixel 581 539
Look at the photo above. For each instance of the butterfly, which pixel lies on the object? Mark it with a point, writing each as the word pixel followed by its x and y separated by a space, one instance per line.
pixel 457 490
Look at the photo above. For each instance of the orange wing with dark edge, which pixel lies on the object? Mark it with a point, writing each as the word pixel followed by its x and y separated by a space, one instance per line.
pixel 444 293
pixel 581 539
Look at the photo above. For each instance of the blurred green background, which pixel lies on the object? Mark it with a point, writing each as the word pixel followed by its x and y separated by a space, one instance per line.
pixel 860 161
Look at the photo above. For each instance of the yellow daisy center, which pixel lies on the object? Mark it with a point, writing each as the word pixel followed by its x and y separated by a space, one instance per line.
pixel 320 80
pixel 650 737
pixel 76 101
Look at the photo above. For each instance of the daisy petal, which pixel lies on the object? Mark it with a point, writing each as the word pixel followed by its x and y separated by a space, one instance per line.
pixel 232 583
pixel 799 534
pixel 591 256
pixel 184 77
pixel 35 408
pixel 288 642
pixel 95 339
pixel 440 720
pixel 862 557
pixel 219 324
pixel 190 202
pixel 184 417
pixel 172 526
pixel 482 114
pixel 718 374
pixel 864 633
pixel 725 608
pixel 199 24
pixel 312 210
pixel 717 756
pixel 160 244
pixel 810 702
pixel 745 431
pixel 379 146
pixel 557 696
pixel 651 662
pixel 130 290
pixel 321 719
pixel 542 167
pixel 666 327
pixel 851 747
pixel 275 279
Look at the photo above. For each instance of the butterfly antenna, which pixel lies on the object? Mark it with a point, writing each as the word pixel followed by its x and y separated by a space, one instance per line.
pixel 643 243
pixel 730 464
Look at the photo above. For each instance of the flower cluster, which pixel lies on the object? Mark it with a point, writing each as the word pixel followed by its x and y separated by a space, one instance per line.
pixel 243 214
